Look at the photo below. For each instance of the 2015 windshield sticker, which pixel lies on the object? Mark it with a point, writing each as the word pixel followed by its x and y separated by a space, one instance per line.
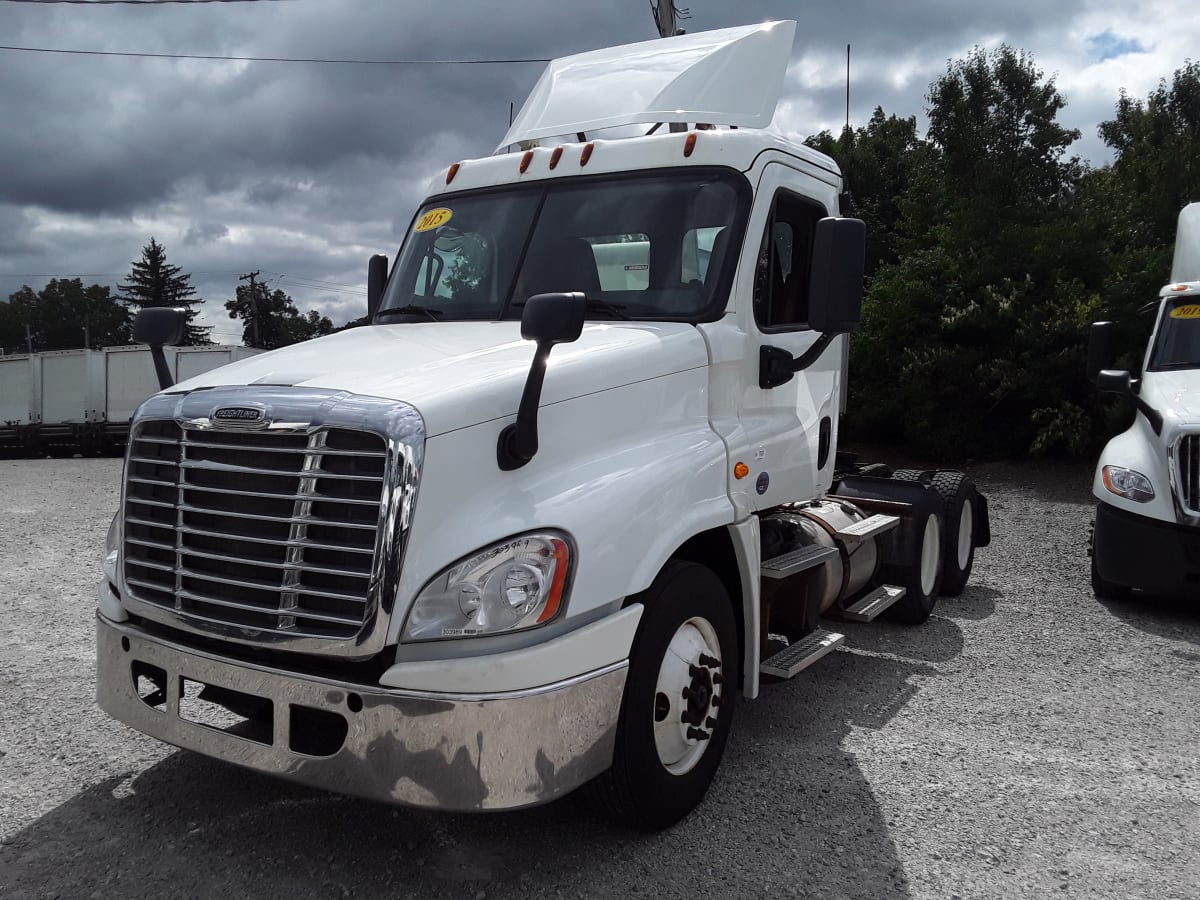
pixel 1187 311
pixel 435 218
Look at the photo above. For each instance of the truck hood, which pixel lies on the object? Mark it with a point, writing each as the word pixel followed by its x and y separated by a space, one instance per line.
pixel 1174 394
pixel 459 374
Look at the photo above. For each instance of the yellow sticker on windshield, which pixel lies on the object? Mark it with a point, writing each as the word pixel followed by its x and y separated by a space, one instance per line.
pixel 435 218
pixel 1187 311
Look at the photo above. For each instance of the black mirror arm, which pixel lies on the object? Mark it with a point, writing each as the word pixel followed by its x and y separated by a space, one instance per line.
pixel 776 367
pixel 161 369
pixel 518 442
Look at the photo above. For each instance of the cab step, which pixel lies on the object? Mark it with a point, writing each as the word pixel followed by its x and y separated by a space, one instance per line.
pixel 868 528
pixel 791 660
pixel 871 605
pixel 796 561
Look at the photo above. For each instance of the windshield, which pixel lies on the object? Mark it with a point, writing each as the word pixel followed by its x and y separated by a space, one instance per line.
pixel 638 247
pixel 1177 345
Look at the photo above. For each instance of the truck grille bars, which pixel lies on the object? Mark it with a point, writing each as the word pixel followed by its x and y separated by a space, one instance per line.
pixel 1187 473
pixel 272 527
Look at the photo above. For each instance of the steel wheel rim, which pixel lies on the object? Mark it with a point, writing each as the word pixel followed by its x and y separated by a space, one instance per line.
pixel 966 533
pixel 673 714
pixel 931 542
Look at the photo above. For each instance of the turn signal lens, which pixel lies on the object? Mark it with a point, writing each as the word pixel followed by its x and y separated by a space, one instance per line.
pixel 453 171
pixel 741 470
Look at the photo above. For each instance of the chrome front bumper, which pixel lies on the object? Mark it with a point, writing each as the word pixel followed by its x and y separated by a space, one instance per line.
pixel 442 751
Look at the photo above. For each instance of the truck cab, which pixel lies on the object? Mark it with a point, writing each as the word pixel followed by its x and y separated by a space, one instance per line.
pixel 572 493
pixel 1147 481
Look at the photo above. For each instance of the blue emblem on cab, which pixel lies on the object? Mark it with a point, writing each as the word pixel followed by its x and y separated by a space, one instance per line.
pixel 763 480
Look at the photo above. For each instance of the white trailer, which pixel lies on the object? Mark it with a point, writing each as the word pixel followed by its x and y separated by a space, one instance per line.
pixel 192 361
pixel 20 400
pixel 430 562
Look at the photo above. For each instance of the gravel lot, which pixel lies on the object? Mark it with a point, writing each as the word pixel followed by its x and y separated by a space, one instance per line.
pixel 1027 741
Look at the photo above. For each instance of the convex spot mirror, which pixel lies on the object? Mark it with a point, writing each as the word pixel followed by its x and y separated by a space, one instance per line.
pixel 553 318
pixel 159 326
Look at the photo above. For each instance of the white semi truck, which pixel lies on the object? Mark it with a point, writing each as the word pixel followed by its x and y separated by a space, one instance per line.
pixel 1147 482
pixel 572 493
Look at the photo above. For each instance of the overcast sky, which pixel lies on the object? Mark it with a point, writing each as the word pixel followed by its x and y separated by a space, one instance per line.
pixel 302 170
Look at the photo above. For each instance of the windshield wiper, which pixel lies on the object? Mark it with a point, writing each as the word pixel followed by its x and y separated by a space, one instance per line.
pixel 410 310
pixel 616 310
pixel 594 304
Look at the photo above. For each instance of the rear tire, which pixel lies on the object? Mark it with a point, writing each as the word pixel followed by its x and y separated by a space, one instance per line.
pixel 921 576
pixel 682 683
pixel 958 547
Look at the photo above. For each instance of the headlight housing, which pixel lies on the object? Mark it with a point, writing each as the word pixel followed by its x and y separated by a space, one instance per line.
pixel 112 548
pixel 1128 484
pixel 510 586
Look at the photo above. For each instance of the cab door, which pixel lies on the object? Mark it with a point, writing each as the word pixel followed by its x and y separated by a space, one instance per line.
pixel 789 429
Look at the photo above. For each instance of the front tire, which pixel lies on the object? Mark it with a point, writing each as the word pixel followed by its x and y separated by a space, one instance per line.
pixel 677 709
pixel 1101 587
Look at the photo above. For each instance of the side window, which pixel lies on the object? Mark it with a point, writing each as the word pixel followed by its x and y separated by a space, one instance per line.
pixel 784 263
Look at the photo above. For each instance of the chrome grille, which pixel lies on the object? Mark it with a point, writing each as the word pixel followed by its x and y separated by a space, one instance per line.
pixel 257 531
pixel 1187 472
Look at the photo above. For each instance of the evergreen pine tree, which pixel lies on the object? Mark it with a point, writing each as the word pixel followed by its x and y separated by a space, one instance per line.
pixel 154 282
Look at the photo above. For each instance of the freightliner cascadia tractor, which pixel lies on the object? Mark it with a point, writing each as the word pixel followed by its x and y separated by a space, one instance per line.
pixel 571 495
pixel 1147 531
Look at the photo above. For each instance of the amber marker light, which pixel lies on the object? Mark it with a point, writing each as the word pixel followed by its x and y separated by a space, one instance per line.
pixel 741 470
pixel 1179 287
pixel 526 160
pixel 690 144
pixel 453 171
pixel 555 157
pixel 562 559
pixel 587 154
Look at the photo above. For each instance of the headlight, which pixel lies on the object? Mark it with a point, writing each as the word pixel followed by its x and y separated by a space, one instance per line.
pixel 112 547
pixel 516 584
pixel 1128 484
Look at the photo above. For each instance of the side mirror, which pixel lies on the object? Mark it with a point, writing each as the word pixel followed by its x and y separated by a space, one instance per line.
pixel 1100 350
pixel 156 326
pixel 377 274
pixel 548 319
pixel 836 283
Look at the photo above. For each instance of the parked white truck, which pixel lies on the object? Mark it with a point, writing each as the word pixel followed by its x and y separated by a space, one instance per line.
pixel 1147 530
pixel 432 562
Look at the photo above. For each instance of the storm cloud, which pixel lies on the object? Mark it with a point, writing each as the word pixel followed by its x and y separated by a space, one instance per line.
pixel 302 170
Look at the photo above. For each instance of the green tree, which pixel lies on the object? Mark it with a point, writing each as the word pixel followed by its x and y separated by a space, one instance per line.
pixel 973 338
pixel 154 282
pixel 1134 203
pixel 64 315
pixel 878 162
pixel 270 318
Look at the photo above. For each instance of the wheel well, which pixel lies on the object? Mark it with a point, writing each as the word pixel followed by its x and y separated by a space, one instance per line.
pixel 714 550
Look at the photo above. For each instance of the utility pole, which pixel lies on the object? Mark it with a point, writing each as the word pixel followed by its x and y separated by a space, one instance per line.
pixel 253 306
pixel 28 338
pixel 667 17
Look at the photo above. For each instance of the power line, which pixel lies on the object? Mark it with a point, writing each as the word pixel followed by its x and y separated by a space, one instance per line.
pixel 282 59
pixel 137 2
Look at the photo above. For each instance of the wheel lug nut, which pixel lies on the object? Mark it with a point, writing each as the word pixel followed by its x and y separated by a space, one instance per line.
pixel 697 734
pixel 717 678
pixel 711 662
pixel 710 722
